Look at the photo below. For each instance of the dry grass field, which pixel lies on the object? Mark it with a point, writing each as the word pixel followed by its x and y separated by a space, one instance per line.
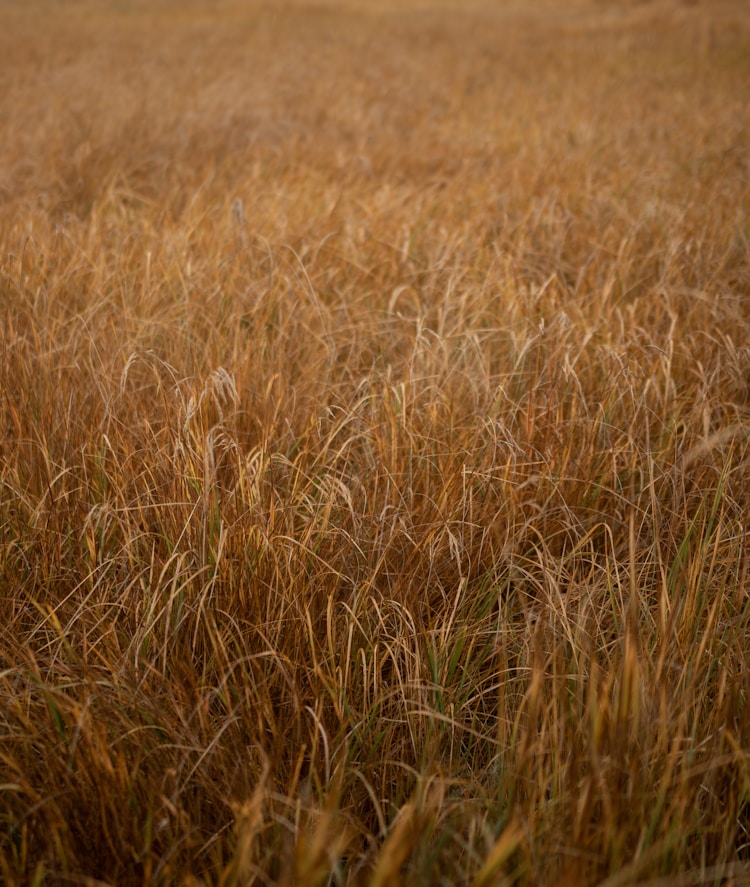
pixel 374 443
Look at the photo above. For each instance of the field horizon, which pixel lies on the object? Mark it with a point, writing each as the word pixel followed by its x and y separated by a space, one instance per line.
pixel 374 443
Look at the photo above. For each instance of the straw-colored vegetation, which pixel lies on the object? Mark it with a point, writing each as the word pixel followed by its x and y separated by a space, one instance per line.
pixel 374 445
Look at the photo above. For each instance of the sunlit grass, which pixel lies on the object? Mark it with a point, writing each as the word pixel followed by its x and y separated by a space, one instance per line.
pixel 374 455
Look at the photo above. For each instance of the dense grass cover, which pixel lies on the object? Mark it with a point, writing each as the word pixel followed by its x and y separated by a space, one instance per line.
pixel 374 444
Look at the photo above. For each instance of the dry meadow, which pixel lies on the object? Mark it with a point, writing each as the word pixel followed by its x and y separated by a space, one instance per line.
pixel 374 443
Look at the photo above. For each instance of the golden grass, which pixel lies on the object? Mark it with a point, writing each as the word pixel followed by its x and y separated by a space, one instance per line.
pixel 374 457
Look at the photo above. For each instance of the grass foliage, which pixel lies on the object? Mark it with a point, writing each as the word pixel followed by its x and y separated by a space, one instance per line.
pixel 374 444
